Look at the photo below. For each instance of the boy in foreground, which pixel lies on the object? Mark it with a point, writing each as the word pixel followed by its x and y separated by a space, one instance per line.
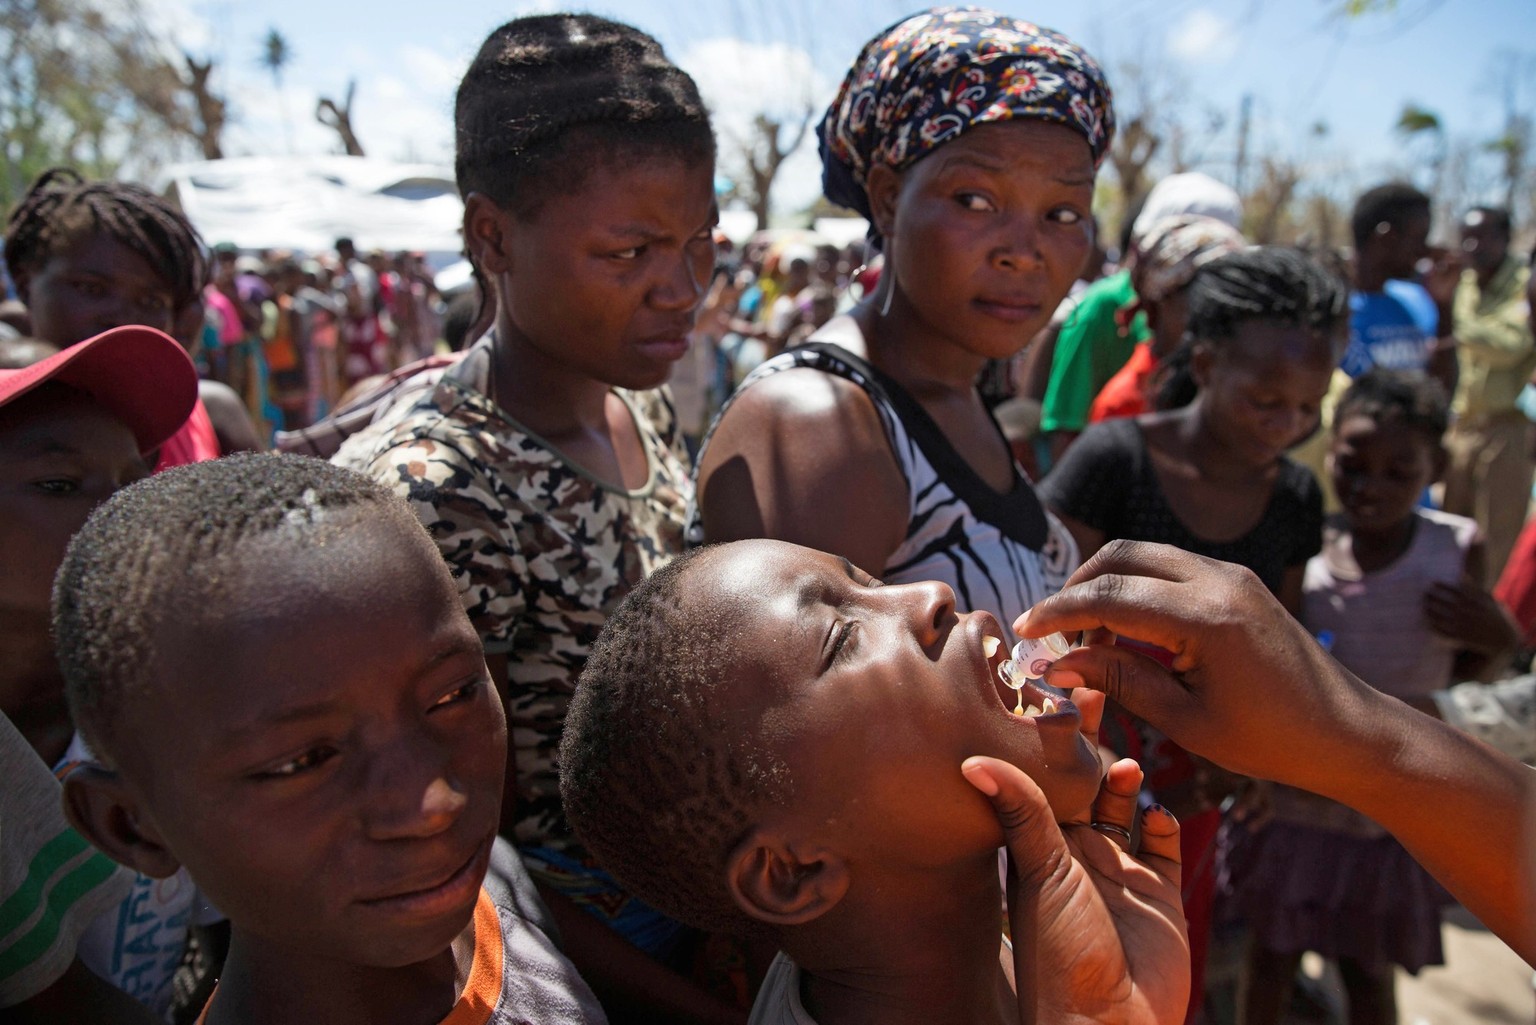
pixel 766 741
pixel 270 660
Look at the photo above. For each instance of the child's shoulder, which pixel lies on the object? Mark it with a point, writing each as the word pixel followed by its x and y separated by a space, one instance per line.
pixel 778 999
pixel 1446 538
pixel 1463 528
pixel 518 963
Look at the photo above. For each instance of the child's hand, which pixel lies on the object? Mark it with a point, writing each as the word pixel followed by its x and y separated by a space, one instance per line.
pixel 1098 932
pixel 1470 616
pixel 1442 276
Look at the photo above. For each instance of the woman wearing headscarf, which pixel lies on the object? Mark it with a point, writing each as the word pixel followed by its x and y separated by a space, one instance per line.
pixel 970 140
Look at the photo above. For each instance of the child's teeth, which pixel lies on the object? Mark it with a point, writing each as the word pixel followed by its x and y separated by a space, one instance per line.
pixel 1049 708
pixel 989 646
pixel 1032 711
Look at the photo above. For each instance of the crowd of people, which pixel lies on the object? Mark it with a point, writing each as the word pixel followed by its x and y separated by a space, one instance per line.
pixel 624 639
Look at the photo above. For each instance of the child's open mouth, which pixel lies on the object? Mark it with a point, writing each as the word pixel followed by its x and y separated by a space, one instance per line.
pixel 1031 699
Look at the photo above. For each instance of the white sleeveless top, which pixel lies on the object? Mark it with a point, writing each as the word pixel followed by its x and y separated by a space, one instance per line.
pixel 1001 553
pixel 1377 619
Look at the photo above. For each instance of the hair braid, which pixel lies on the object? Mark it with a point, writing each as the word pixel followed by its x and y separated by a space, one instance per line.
pixel 61 206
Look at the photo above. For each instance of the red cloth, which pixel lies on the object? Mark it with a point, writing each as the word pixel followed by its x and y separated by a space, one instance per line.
pixel 1125 394
pixel 194 443
pixel 1516 588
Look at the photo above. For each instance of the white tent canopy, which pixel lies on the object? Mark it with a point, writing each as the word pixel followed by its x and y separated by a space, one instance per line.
pixel 306 203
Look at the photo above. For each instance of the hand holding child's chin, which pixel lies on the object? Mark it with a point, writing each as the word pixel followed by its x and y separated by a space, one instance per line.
pixel 1107 925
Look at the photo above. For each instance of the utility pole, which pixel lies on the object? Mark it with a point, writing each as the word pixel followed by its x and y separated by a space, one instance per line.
pixel 1240 172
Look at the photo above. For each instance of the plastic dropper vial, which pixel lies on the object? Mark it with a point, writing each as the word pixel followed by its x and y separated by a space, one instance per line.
pixel 1029 660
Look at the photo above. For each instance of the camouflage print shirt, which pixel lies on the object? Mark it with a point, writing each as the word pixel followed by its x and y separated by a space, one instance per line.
pixel 542 551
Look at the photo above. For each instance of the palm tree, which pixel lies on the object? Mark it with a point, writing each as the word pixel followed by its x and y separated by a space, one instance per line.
pixel 276 55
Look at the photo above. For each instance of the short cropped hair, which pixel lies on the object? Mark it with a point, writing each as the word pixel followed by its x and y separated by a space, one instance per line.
pixel 659 780
pixel 1270 283
pixel 62 206
pixel 1414 400
pixel 1392 203
pixel 156 545
pixel 548 97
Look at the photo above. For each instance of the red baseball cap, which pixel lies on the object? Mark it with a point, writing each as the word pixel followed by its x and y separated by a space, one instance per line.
pixel 138 374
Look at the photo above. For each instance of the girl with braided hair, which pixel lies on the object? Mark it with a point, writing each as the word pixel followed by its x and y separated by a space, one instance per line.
pixel 546 462
pixel 1264 334
pixel 88 256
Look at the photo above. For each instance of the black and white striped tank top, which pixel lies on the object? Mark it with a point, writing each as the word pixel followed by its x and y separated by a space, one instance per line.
pixel 1000 552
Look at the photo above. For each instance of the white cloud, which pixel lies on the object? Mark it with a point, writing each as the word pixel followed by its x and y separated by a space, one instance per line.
pixel 740 80
pixel 1205 36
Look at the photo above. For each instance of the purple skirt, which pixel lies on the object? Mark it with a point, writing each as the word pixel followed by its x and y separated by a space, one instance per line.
pixel 1341 896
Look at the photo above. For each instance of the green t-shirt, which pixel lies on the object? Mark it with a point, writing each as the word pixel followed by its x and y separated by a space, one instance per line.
pixel 1089 350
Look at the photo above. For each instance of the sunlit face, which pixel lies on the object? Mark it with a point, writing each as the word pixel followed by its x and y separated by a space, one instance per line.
pixel 873 695
pixel 1485 243
pixel 92 284
pixel 987 233
pixel 1380 470
pixel 1409 244
pixel 606 278
pixel 1261 392
pixel 325 753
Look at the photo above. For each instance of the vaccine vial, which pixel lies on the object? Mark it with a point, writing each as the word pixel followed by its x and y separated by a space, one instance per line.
pixel 1029 660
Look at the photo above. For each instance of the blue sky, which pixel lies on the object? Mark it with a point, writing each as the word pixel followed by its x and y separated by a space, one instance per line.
pixel 1300 67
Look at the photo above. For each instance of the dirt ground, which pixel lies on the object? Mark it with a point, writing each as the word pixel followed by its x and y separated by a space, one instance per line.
pixel 1483 982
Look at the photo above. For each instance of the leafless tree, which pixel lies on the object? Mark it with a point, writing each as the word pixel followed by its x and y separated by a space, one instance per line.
pixel 328 113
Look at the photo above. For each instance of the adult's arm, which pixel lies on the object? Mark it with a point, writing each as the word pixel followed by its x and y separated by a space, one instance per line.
pixel 802 456
pixel 231 422
pixel 1500 336
pixel 1250 690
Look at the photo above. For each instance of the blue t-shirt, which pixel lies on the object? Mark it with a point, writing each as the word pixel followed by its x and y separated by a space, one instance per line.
pixel 1394 328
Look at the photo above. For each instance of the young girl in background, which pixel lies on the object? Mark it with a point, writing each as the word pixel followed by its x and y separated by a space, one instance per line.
pixel 1212 478
pixel 1394 594
pixel 970 140
pixel 546 466
pixel 90 256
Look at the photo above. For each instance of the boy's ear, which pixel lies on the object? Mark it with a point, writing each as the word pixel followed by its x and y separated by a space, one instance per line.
pixel 102 810
pixel 487 234
pixel 883 187
pixel 776 881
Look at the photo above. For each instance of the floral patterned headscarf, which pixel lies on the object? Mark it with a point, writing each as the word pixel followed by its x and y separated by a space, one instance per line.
pixel 928 78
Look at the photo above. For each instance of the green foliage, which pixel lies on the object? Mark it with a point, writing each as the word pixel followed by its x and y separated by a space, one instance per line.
pixel 1415 120
pixel 81 83
pixel 1359 8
